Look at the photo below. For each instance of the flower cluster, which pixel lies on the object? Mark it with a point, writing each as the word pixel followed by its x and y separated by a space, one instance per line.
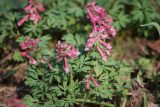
pixel 87 82
pixel 102 30
pixel 33 9
pixel 65 50
pixel 28 46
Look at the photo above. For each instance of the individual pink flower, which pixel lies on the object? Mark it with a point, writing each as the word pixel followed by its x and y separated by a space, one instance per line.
pixel 66 66
pixel 87 82
pixel 35 17
pixel 65 50
pixel 90 42
pixel 33 61
pixel 112 31
pixel 32 11
pixel 28 46
pixel 15 102
pixel 23 20
pixel 103 55
pixel 107 46
pixel 101 29
pixel 47 61
pixel 73 53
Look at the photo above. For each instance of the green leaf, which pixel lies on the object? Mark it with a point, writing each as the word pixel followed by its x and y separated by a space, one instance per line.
pixel 20 39
pixel 98 69
pixel 80 39
pixel 45 38
pixel 69 38
pixel 29 101
pixel 30 82
pixel 17 56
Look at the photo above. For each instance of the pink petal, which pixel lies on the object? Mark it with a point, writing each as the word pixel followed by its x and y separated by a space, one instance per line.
pixel 21 22
pixel 107 45
pixel 95 82
pixel 46 61
pixel 90 42
pixel 40 7
pixel 104 57
pixel 33 61
pixel 32 10
pixel 66 65
pixel 112 31
pixel 87 86
pixel 35 17
pixel 29 43
pixel 28 8
pixel 108 52
pixel 24 54
pixel 73 53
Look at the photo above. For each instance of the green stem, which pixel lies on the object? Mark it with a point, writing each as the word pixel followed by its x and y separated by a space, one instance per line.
pixel 93 102
pixel 145 100
pixel 124 102
pixel 71 78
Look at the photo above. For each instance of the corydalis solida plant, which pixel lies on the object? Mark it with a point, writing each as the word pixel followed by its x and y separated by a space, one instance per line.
pixel 101 30
pixel 32 11
pixel 86 71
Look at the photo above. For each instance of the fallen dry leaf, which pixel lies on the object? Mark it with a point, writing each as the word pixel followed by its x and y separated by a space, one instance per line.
pixel 154 46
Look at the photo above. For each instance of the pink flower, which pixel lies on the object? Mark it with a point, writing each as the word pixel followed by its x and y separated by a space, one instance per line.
pixel 103 55
pixel 112 31
pixel 107 50
pixel 66 68
pixel 23 20
pixel 28 46
pixel 33 9
pixel 33 61
pixel 87 82
pixel 28 8
pixel 90 42
pixel 65 50
pixel 107 45
pixel 62 49
pixel 73 53
pixel 25 54
pixel 15 102
pixel 35 17
pixel 40 7
pixel 47 61
pixel 87 85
